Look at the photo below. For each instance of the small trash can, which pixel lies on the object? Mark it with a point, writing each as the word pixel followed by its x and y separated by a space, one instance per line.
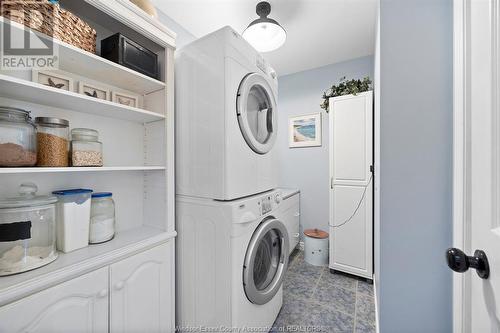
pixel 316 247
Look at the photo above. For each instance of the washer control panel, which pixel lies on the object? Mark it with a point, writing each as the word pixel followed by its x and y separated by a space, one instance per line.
pixel 269 202
pixel 266 204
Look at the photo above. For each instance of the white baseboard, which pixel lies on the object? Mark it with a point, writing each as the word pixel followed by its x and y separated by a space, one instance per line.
pixel 377 327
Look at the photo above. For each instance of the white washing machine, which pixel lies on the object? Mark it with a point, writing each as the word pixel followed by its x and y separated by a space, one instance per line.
pixel 226 118
pixel 231 260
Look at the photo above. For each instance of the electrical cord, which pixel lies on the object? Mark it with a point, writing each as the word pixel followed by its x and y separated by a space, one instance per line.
pixel 358 206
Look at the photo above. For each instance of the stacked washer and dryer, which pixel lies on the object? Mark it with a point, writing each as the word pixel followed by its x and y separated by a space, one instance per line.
pixel 232 248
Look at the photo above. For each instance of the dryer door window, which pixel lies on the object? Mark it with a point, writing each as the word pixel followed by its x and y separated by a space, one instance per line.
pixel 266 261
pixel 256 110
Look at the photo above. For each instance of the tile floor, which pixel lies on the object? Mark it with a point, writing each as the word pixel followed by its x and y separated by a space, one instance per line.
pixel 315 300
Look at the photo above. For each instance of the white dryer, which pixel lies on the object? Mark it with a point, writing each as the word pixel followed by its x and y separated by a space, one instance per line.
pixel 226 118
pixel 231 260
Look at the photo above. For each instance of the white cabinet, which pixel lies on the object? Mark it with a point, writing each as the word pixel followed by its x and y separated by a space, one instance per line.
pixel 142 292
pixel 78 305
pixel 138 292
pixel 351 155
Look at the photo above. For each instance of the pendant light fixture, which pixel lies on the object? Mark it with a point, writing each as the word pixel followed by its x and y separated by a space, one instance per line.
pixel 265 34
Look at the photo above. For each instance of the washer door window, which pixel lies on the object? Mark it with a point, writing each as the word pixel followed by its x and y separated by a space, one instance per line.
pixel 266 261
pixel 256 110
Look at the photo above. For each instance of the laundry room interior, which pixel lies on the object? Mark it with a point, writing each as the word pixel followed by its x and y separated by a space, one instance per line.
pixel 225 166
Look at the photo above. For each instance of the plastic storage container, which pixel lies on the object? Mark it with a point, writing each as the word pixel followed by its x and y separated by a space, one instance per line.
pixel 102 218
pixel 17 138
pixel 316 247
pixel 73 219
pixel 53 142
pixel 27 231
pixel 86 150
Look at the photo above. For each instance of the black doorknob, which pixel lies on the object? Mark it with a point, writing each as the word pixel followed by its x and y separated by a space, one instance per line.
pixel 459 262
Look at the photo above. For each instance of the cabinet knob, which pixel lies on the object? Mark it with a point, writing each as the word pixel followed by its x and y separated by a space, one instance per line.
pixel 119 285
pixel 103 293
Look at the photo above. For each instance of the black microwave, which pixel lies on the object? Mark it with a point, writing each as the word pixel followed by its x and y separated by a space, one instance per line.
pixel 130 54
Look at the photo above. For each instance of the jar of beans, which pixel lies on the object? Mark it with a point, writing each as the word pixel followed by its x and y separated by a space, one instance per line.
pixel 52 141
pixel 86 150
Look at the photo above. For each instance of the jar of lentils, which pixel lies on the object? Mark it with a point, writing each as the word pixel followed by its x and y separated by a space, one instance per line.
pixel 52 141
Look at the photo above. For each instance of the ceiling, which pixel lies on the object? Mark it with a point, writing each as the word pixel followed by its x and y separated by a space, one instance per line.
pixel 319 32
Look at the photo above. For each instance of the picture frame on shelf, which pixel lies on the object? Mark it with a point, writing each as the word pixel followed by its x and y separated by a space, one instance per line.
pixel 305 131
pixel 92 90
pixel 53 80
pixel 125 99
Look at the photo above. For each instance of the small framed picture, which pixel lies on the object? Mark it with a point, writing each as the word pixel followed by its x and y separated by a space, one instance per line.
pixel 305 131
pixel 125 99
pixel 92 90
pixel 53 80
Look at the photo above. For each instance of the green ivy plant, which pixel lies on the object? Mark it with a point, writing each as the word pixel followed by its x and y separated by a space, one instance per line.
pixel 345 87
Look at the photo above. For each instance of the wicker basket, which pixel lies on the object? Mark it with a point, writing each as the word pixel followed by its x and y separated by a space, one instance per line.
pixel 52 21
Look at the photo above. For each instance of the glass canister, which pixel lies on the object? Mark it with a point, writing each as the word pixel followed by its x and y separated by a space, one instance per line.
pixel 53 142
pixel 17 138
pixel 27 231
pixel 86 150
pixel 102 218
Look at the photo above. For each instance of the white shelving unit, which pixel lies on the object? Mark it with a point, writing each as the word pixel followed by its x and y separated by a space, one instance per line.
pixel 99 69
pixel 80 169
pixel 23 90
pixel 138 145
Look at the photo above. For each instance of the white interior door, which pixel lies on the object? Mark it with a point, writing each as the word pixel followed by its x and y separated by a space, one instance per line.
pixel 351 217
pixel 477 167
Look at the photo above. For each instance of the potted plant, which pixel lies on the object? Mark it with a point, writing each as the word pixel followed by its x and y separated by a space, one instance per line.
pixel 345 87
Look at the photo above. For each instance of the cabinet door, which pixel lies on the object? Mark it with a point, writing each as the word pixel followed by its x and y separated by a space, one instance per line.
pixel 142 298
pixel 351 200
pixel 79 305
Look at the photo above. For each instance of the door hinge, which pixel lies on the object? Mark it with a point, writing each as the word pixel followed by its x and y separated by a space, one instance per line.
pixel 372 169
pixel 331 183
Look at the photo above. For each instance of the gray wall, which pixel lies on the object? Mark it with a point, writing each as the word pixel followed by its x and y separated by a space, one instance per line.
pixel 183 36
pixel 415 284
pixel 307 168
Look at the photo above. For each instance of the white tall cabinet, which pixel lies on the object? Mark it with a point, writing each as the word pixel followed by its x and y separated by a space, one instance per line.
pixel 351 184
pixel 126 284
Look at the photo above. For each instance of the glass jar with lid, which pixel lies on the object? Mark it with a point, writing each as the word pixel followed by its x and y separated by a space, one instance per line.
pixel 53 142
pixel 102 218
pixel 17 138
pixel 27 231
pixel 86 150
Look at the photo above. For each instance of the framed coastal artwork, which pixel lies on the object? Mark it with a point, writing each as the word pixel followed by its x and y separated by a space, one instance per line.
pixel 305 131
